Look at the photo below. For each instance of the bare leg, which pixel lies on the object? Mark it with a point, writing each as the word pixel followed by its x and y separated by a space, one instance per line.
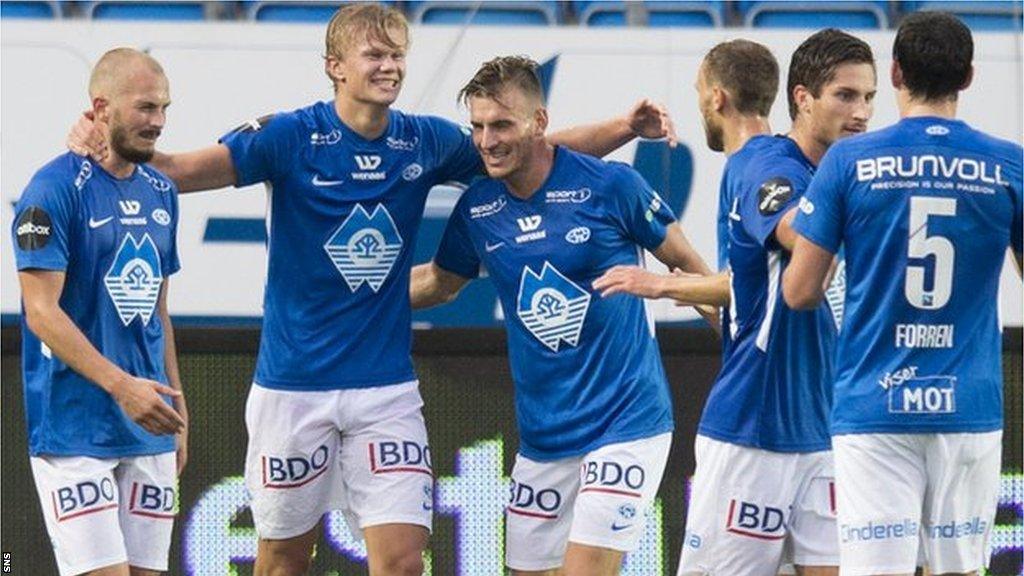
pixel 396 549
pixel 288 557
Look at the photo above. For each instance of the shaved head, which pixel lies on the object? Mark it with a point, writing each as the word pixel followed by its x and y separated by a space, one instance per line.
pixel 117 68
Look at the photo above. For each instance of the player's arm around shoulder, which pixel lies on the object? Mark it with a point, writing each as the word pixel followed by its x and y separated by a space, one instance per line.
pixel 646 119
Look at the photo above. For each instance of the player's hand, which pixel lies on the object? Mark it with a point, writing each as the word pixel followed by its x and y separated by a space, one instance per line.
pixel 140 399
pixel 630 280
pixel 181 453
pixel 648 119
pixel 87 138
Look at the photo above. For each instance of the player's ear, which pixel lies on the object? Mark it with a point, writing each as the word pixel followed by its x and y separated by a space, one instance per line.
pixel 719 97
pixel 802 97
pixel 970 78
pixel 540 118
pixel 896 75
pixel 334 69
pixel 101 109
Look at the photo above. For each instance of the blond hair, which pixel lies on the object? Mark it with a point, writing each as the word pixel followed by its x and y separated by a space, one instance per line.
pixel 355 22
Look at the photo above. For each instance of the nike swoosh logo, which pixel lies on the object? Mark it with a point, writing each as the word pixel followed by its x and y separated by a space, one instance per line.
pixel 617 527
pixel 318 182
pixel 93 223
pixel 492 247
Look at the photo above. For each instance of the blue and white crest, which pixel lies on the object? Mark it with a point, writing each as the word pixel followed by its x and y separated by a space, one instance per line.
pixel 551 306
pixel 134 279
pixel 364 248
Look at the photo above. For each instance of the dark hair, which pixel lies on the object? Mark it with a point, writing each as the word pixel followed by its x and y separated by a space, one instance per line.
pixel 748 71
pixel 501 72
pixel 814 63
pixel 934 50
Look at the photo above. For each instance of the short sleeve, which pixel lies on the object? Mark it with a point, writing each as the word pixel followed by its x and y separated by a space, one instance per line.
pixel 456 253
pixel 262 149
pixel 637 208
pixel 776 192
pixel 42 225
pixel 458 159
pixel 820 217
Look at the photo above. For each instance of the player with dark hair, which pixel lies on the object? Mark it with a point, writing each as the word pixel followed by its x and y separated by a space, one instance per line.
pixel 762 489
pixel 95 244
pixel 592 400
pixel 334 383
pixel 924 211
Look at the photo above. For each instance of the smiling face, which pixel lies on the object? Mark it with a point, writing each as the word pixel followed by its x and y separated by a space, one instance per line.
pixel 371 70
pixel 507 130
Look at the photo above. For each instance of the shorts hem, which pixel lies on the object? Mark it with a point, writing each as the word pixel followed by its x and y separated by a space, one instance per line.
pixel 872 570
pixel 381 520
pixel 149 565
pixel 283 534
pixel 825 561
pixel 91 565
pixel 534 566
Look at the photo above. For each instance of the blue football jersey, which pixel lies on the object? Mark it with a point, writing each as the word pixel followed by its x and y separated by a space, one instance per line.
pixel 343 219
pixel 924 210
pixel 586 369
pixel 115 241
pixel 774 389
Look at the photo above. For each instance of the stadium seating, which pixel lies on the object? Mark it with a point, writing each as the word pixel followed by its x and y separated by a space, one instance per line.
pixel 601 13
pixel 980 16
pixel 312 12
pixel 846 15
pixel 494 12
pixel 172 11
pixel 29 9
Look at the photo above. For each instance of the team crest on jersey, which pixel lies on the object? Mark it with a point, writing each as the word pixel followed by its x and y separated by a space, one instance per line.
pixel 365 247
pixel 134 279
pixel 552 307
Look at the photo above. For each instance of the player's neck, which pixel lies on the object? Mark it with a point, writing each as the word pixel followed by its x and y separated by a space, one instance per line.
pixel 366 119
pixel 736 132
pixel 525 182
pixel 117 166
pixel 913 107
pixel 811 147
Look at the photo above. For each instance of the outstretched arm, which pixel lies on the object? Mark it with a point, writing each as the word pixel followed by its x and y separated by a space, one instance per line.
pixel 138 397
pixel 204 169
pixel 699 286
pixel 432 285
pixel 646 120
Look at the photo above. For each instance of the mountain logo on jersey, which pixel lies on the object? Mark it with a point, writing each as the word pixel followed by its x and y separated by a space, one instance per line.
pixel 773 195
pixel 551 306
pixel 365 247
pixel 134 279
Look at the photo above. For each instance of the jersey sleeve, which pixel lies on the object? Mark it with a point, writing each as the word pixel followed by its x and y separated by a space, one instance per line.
pixel 637 208
pixel 262 149
pixel 42 224
pixel 456 253
pixel 820 217
pixel 458 159
pixel 779 190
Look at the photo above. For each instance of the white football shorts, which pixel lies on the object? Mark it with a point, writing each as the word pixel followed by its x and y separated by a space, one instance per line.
pixel 363 451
